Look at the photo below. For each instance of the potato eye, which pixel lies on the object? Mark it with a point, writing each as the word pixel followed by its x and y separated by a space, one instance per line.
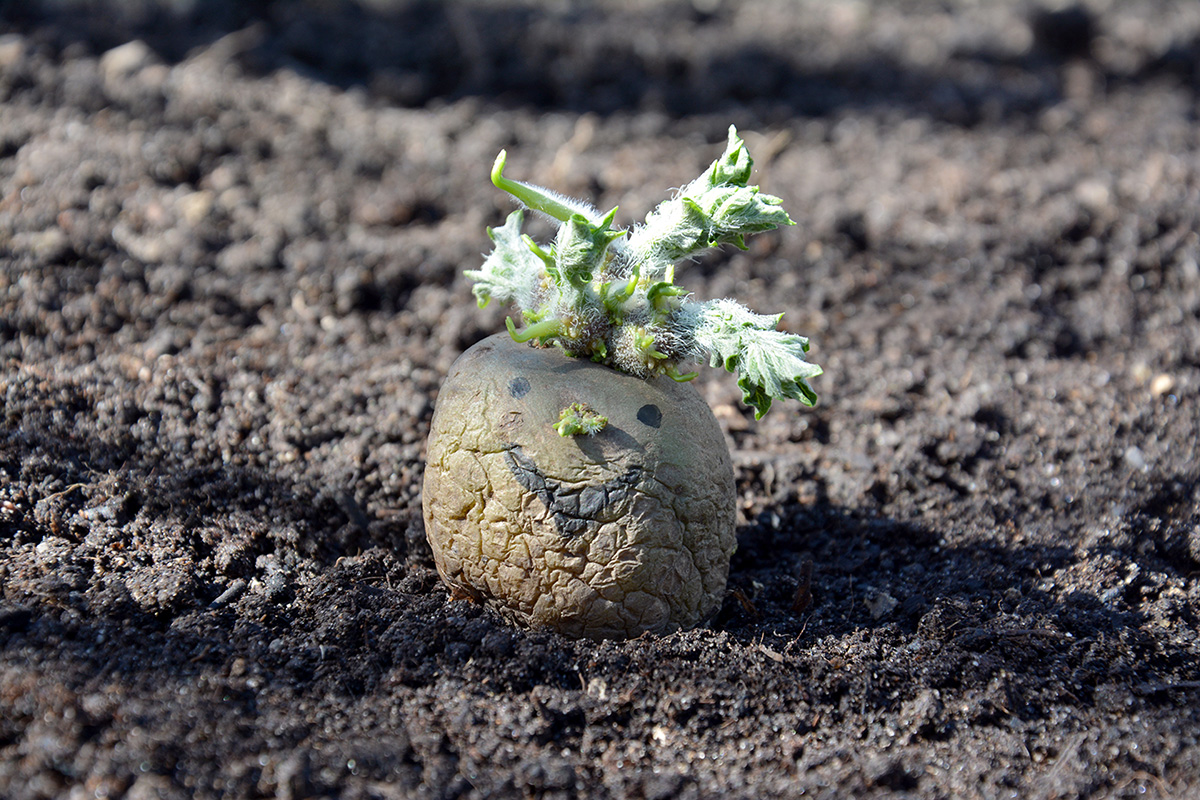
pixel 518 387
pixel 650 414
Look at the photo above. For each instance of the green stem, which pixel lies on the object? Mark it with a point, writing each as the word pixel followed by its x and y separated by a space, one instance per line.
pixel 674 375
pixel 535 197
pixel 550 264
pixel 538 330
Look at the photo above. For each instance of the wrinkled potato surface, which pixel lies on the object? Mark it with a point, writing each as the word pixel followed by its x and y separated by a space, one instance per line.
pixel 603 536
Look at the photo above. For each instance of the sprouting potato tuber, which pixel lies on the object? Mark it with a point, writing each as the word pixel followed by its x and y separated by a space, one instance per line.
pixel 603 536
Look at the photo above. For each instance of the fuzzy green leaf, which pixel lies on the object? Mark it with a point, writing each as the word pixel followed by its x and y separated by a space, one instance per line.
pixel 734 166
pixel 732 207
pixel 581 247
pixel 717 208
pixel 511 272
pixel 770 363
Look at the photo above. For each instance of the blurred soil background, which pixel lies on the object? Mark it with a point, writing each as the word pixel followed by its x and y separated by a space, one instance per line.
pixel 231 244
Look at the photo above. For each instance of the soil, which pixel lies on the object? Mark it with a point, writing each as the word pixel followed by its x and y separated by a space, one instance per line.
pixel 232 238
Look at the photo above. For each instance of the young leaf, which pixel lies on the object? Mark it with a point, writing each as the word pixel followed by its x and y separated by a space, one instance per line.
pixel 511 272
pixel 581 247
pixel 734 208
pixel 717 208
pixel 733 167
pixel 578 419
pixel 770 363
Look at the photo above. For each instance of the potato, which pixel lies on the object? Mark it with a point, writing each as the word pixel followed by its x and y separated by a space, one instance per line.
pixel 603 536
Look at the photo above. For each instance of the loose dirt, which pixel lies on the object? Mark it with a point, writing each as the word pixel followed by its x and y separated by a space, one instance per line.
pixel 232 238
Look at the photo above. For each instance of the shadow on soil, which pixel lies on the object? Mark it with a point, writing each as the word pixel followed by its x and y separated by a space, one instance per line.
pixel 157 571
pixel 842 584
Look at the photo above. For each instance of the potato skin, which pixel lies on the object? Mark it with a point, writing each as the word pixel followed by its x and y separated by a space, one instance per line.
pixel 604 536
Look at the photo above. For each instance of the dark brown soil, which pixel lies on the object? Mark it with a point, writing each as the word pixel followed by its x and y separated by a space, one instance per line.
pixel 231 244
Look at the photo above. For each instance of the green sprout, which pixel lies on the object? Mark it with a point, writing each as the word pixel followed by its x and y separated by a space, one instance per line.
pixel 609 294
pixel 578 419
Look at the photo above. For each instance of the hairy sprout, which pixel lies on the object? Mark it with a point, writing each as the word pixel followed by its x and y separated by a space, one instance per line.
pixel 609 294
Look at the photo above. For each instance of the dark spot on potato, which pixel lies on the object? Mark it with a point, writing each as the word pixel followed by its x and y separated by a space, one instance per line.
pixel 518 387
pixel 650 414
